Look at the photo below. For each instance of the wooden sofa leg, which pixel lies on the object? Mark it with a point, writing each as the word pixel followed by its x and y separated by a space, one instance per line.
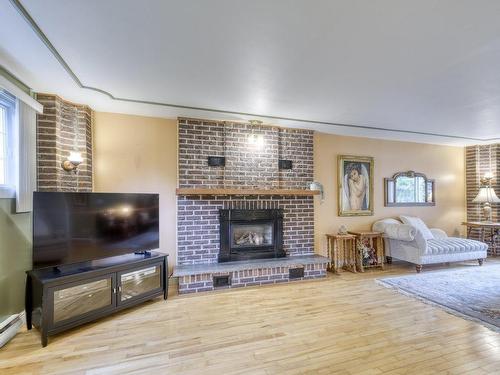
pixel 388 260
pixel 418 267
pixel 480 261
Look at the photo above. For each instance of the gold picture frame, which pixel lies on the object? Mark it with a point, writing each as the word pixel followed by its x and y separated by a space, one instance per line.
pixel 355 185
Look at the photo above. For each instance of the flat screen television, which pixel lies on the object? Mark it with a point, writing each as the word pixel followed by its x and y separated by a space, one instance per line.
pixel 77 227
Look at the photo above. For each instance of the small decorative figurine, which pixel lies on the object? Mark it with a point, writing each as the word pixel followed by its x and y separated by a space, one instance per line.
pixel 342 229
pixel 368 253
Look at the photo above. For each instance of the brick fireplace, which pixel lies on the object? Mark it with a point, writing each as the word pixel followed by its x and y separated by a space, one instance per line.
pixel 227 228
pixel 198 224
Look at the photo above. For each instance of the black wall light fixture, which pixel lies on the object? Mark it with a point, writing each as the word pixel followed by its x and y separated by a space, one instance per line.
pixel 285 164
pixel 216 161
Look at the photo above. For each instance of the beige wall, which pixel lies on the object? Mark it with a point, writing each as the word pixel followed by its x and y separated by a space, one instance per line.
pixel 444 164
pixel 139 155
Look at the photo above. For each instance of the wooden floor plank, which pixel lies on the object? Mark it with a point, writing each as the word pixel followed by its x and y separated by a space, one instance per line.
pixel 344 324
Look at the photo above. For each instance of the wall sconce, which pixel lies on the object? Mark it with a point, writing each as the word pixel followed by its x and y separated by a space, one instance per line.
pixel 73 161
pixel 256 140
pixel 318 186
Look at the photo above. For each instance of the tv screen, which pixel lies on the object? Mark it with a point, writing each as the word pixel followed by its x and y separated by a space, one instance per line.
pixel 76 227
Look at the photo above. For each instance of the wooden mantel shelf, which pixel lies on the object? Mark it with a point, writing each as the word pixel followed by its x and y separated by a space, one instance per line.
pixel 201 191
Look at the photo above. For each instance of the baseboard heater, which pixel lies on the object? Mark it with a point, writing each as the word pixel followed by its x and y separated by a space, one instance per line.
pixel 9 327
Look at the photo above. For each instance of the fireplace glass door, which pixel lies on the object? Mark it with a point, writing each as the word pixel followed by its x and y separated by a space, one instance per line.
pixel 252 235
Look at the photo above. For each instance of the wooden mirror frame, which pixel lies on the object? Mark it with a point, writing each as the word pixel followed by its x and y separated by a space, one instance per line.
pixel 392 202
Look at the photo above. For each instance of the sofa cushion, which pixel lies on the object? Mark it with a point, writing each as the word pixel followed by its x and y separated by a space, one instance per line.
pixel 419 225
pixel 452 245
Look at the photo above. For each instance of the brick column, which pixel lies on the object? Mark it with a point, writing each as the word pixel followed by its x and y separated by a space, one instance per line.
pixel 477 164
pixel 63 127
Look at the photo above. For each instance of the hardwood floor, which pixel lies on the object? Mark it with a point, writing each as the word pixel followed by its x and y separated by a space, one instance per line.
pixel 345 324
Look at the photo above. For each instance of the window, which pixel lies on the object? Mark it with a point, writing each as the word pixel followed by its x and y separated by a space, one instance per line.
pixel 7 166
pixel 409 189
pixel 3 146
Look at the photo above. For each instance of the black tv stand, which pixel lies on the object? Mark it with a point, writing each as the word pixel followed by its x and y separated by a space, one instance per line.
pixel 60 298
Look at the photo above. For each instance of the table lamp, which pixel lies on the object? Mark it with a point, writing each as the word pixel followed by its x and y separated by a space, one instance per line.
pixel 487 196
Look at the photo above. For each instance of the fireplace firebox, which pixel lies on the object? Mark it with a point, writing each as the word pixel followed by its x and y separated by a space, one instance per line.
pixel 250 234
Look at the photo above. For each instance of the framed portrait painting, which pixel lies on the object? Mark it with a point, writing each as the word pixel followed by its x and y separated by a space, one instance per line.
pixel 355 181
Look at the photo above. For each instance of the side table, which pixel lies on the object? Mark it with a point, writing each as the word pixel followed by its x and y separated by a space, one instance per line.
pixel 370 240
pixel 342 252
pixel 489 232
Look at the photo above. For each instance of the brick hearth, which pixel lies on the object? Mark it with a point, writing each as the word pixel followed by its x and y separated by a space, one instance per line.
pixel 199 278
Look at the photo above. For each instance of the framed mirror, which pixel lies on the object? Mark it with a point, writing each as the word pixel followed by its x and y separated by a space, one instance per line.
pixel 409 189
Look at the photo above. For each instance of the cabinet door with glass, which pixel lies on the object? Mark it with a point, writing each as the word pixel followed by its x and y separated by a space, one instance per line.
pixel 76 300
pixel 139 283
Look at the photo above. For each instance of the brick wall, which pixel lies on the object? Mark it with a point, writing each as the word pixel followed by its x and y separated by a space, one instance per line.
pixel 477 164
pixel 247 166
pixel 296 145
pixel 61 128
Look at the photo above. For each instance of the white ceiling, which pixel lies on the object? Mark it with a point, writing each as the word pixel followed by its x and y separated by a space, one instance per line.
pixel 429 66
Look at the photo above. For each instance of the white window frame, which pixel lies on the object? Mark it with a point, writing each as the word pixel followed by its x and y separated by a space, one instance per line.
pixel 8 103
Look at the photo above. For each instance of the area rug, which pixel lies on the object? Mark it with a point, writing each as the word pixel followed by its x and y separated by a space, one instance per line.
pixel 472 292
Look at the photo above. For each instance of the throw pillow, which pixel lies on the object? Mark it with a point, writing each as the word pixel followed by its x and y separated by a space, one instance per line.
pixel 419 225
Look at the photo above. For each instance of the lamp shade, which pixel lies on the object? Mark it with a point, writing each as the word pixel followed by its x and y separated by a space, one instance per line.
pixel 486 195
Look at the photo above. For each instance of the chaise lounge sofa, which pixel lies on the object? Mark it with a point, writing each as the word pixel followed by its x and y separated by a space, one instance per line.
pixel 412 241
